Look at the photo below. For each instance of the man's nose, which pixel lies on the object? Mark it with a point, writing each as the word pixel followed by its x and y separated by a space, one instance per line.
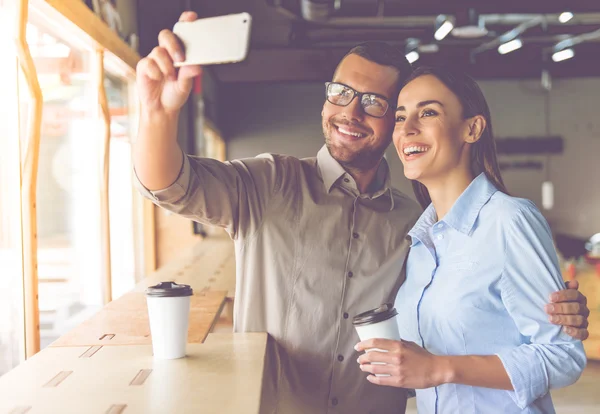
pixel 353 111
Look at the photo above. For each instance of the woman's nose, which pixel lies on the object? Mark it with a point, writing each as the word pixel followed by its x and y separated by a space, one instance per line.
pixel 408 127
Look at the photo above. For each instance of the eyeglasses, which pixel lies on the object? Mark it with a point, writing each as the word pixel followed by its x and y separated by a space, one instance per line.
pixel 372 104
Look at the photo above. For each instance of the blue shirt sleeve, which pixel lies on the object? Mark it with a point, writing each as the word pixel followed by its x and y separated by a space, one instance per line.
pixel 551 358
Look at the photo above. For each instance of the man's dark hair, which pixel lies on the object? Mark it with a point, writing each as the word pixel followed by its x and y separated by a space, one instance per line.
pixel 386 55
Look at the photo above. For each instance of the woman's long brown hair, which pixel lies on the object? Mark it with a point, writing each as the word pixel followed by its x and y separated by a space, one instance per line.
pixel 483 152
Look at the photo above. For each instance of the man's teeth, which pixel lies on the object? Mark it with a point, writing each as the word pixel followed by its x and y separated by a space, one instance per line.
pixel 414 149
pixel 347 132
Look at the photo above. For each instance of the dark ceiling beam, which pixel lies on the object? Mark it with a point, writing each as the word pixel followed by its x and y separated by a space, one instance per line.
pixel 154 16
pixel 409 7
pixel 282 65
pixel 361 8
pixel 310 65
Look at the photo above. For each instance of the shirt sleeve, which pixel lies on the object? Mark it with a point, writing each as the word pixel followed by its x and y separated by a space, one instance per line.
pixel 233 195
pixel 551 359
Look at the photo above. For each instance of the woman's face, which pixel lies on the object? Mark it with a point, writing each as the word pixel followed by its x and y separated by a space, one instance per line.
pixel 431 135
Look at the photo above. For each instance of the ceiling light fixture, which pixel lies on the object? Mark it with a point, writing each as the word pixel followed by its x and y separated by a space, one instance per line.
pixel 443 27
pixel 411 49
pixel 412 57
pixel 469 26
pixel 510 46
pixel 565 17
pixel 563 55
pixel 429 48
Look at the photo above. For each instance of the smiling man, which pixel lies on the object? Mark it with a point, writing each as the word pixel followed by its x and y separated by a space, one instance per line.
pixel 317 240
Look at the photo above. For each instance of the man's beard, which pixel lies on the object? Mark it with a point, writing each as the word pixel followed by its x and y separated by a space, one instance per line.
pixel 361 160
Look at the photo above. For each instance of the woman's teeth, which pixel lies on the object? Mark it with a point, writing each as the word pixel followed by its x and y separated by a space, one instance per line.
pixel 347 132
pixel 415 150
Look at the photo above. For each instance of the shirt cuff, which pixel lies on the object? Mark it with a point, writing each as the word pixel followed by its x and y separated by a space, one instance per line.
pixel 172 193
pixel 527 374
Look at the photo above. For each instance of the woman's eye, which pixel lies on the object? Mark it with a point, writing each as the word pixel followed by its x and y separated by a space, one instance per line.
pixel 400 118
pixel 429 112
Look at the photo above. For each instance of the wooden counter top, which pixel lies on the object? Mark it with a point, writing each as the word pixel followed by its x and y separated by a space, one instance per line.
pixel 223 375
pixel 209 267
pixel 105 365
pixel 125 321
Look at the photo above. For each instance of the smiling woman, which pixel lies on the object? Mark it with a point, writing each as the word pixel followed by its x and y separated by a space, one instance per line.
pixel 481 267
pixel 441 108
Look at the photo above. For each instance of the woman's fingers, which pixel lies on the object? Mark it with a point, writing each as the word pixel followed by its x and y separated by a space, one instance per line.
pixel 379 369
pixel 385 381
pixel 374 356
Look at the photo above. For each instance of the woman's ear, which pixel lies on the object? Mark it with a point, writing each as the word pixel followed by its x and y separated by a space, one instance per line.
pixel 476 125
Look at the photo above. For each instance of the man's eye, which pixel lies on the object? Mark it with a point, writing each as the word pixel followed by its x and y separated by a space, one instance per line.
pixel 372 101
pixel 400 118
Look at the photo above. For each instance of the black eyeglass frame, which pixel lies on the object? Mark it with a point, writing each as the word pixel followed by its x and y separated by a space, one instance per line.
pixel 360 95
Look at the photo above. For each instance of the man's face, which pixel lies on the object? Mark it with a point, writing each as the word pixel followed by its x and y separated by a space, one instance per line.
pixel 355 139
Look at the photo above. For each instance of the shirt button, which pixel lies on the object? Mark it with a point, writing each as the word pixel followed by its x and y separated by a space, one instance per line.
pixel 350 274
pixel 340 358
pixel 355 235
pixel 346 315
pixel 334 401
pixel 346 180
pixel 440 225
pixel 440 236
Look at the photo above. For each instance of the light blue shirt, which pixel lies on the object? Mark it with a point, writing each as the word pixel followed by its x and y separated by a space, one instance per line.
pixel 477 282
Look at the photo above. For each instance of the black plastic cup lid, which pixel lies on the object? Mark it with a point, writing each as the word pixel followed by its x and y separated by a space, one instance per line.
pixel 380 314
pixel 169 290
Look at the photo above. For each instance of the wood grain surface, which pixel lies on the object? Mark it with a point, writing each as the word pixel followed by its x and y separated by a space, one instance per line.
pixel 125 321
pixel 223 375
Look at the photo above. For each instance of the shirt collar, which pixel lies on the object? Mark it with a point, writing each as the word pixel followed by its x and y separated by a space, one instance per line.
pixel 464 212
pixel 423 224
pixel 332 171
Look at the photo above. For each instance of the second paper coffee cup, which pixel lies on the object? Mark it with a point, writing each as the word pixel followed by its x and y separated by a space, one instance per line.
pixel 168 313
pixel 377 323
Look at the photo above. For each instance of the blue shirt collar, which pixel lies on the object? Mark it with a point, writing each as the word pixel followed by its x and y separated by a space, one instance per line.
pixel 464 212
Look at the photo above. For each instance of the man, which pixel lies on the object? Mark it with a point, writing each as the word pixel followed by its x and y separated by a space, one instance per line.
pixel 317 240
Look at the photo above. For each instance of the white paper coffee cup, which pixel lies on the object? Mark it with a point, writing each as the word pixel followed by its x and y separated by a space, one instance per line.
pixel 377 323
pixel 168 313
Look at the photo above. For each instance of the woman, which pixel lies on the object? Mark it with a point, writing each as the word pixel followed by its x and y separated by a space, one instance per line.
pixel 481 265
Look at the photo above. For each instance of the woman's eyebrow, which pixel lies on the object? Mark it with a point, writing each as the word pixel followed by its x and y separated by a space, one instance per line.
pixel 422 104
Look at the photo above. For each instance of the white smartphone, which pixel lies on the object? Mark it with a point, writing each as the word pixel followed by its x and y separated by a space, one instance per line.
pixel 215 40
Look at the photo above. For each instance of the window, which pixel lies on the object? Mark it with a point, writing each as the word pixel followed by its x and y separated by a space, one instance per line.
pixel 68 235
pixel 12 334
pixel 121 193
pixel 68 203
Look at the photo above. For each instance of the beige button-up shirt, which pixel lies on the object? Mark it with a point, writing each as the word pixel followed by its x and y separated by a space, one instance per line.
pixel 312 252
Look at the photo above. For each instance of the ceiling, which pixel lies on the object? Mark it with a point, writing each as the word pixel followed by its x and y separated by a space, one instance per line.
pixel 303 40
